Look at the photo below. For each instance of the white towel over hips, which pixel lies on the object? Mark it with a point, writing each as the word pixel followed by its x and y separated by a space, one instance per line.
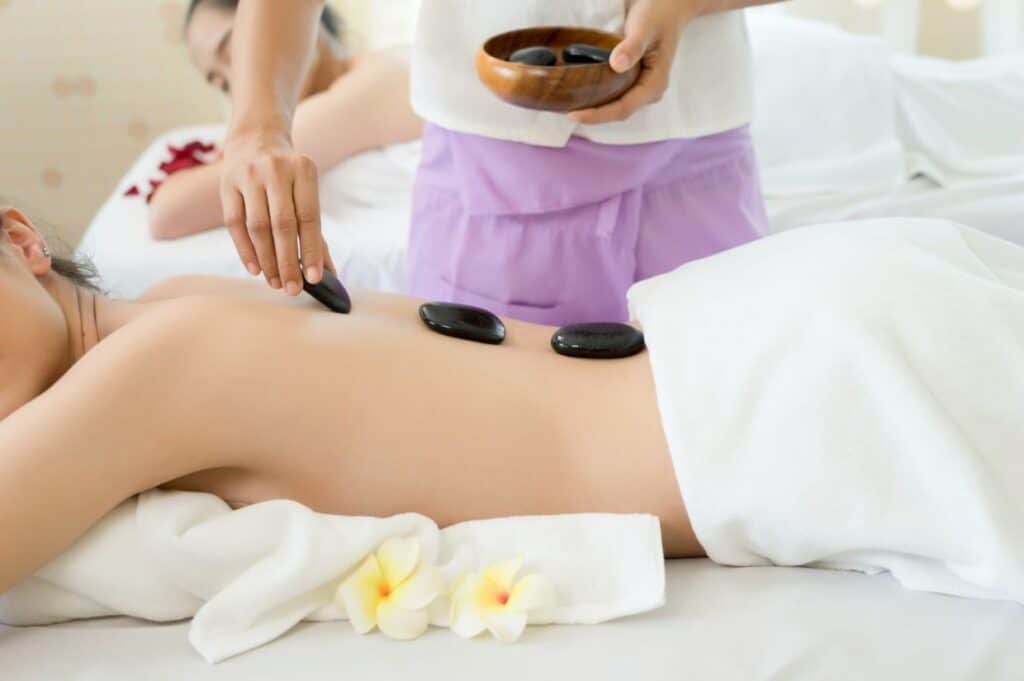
pixel 851 396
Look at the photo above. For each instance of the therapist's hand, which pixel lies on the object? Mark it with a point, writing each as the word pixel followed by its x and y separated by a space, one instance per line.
pixel 271 203
pixel 651 38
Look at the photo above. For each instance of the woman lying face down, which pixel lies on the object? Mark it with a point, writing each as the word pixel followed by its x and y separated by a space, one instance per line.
pixel 373 414
pixel 838 396
pixel 350 103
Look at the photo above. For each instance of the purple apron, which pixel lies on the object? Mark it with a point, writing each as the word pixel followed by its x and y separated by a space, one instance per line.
pixel 557 235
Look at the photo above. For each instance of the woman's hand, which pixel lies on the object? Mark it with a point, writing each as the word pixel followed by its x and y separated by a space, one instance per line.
pixel 271 203
pixel 652 37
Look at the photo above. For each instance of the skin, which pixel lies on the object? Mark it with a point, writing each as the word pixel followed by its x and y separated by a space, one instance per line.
pixel 370 414
pixel 350 104
pixel 262 167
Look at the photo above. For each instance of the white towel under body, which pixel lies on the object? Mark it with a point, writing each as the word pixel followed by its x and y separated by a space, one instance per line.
pixel 247 576
pixel 851 396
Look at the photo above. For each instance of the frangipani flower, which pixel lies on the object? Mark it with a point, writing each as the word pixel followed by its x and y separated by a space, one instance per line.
pixel 490 600
pixel 391 591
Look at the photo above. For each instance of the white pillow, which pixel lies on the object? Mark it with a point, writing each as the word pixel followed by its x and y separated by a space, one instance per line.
pixel 824 119
pixel 961 121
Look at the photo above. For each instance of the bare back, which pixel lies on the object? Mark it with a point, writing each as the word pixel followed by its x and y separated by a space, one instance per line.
pixel 364 414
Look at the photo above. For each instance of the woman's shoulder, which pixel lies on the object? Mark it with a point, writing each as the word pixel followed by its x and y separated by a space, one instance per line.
pixel 167 327
pixel 206 285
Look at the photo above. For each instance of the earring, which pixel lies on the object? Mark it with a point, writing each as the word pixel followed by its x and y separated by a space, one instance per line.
pixel 46 251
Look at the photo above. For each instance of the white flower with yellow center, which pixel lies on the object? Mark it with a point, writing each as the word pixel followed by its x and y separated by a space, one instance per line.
pixel 492 600
pixel 391 591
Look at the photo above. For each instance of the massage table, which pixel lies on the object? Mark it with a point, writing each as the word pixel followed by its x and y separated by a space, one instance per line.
pixel 728 624
pixel 724 623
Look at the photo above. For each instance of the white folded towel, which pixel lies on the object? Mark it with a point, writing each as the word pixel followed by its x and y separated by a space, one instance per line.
pixel 247 576
pixel 850 396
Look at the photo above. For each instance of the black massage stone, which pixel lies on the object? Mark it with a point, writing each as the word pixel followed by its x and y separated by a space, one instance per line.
pixel 579 53
pixel 535 56
pixel 463 321
pixel 330 293
pixel 601 340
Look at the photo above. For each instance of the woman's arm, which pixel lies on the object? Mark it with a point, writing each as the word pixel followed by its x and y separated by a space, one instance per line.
pixel 188 202
pixel 366 108
pixel 268 191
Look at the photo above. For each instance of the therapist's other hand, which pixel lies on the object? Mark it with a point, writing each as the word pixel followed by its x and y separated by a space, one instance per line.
pixel 271 202
pixel 651 38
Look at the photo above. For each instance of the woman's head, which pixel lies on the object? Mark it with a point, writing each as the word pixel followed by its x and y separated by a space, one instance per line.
pixel 208 29
pixel 34 342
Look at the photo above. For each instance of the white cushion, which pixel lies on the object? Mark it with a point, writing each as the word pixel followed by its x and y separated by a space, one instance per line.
pixel 824 116
pixel 961 121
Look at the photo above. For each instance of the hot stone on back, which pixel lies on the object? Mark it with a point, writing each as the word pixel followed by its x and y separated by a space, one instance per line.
pixel 463 321
pixel 600 340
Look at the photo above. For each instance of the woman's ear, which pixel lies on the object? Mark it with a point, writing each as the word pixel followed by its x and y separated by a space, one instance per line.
pixel 26 240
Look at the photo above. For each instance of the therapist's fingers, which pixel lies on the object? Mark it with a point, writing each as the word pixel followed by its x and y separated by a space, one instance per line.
pixel 234 217
pixel 651 39
pixel 257 225
pixel 306 194
pixel 649 88
pixel 284 228
pixel 641 31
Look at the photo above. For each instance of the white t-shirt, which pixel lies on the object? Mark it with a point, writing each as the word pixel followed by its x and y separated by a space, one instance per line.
pixel 711 89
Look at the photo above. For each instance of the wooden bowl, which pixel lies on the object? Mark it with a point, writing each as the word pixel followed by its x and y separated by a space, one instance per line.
pixel 564 87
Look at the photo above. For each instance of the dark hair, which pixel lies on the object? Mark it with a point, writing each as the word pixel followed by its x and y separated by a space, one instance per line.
pixel 329 19
pixel 77 270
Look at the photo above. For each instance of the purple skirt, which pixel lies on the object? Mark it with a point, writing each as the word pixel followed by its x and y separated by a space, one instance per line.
pixel 557 235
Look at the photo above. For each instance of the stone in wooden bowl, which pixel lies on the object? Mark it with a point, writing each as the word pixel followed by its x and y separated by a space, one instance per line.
pixel 560 87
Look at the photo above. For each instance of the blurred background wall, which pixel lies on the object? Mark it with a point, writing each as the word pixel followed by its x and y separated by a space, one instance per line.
pixel 86 84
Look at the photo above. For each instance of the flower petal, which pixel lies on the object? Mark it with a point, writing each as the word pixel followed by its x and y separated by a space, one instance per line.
pixel 502 573
pixel 398 557
pixel 359 595
pixel 440 611
pixel 478 593
pixel 506 626
pixel 465 588
pixel 466 621
pixel 532 592
pixel 417 592
pixel 397 622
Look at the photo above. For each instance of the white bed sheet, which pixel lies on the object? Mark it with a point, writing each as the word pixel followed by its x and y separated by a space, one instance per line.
pixel 993 205
pixel 728 624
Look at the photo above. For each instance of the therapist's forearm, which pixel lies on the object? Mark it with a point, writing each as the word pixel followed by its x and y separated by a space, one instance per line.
pixel 271 50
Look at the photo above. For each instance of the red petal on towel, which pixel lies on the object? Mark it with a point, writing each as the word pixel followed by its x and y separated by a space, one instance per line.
pixel 180 163
pixel 182 158
pixel 185 157
pixel 198 147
